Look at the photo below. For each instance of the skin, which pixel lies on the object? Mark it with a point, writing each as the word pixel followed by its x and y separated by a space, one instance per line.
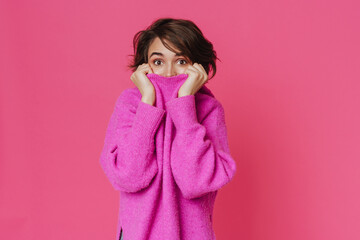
pixel 166 63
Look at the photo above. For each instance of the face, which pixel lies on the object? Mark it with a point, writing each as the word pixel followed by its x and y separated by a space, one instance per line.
pixel 165 62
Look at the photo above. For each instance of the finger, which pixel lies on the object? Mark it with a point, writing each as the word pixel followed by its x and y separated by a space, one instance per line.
pixel 150 69
pixel 141 66
pixel 190 70
pixel 145 68
pixel 205 73
pixel 191 67
pixel 198 67
pixel 201 70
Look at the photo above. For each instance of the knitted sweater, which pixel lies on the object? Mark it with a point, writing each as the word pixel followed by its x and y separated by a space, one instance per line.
pixel 167 161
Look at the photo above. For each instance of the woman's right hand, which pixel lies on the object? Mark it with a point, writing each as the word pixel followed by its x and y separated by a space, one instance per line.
pixel 144 85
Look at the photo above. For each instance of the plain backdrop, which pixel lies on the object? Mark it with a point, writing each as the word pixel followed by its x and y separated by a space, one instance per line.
pixel 288 80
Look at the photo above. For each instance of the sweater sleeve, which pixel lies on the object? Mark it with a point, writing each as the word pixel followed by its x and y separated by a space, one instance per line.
pixel 128 158
pixel 200 154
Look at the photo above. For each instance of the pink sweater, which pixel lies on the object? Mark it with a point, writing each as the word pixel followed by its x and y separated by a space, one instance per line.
pixel 167 161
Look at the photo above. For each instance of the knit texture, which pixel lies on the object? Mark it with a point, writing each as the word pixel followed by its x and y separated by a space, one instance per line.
pixel 167 160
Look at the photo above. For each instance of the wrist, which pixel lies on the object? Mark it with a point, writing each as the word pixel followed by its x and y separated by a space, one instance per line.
pixel 181 94
pixel 148 100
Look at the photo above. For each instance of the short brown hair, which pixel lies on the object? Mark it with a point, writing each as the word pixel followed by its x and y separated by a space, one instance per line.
pixel 181 33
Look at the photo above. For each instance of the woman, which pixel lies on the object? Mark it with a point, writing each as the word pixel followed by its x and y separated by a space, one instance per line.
pixel 166 149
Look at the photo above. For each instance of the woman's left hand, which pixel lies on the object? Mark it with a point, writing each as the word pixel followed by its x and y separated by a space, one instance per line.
pixel 197 77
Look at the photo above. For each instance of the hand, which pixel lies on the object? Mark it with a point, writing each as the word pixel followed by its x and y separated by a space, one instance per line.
pixel 197 77
pixel 142 82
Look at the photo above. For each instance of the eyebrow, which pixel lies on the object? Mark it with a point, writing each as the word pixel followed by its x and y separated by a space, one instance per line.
pixel 162 55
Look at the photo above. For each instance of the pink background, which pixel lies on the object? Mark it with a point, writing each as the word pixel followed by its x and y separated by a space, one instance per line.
pixel 288 80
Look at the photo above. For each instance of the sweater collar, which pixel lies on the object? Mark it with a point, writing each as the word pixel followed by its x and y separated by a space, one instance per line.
pixel 167 86
pixel 172 81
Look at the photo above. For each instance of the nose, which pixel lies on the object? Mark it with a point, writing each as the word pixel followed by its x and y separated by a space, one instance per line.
pixel 170 70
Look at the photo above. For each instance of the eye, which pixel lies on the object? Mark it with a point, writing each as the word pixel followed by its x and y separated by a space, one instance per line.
pixel 183 60
pixel 155 61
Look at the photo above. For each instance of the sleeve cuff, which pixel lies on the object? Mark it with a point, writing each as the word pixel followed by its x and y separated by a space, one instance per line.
pixel 182 111
pixel 148 117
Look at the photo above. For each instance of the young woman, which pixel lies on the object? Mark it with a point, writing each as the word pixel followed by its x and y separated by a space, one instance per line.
pixel 166 149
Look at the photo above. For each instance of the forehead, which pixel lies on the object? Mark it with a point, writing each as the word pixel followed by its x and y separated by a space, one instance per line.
pixel 157 48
